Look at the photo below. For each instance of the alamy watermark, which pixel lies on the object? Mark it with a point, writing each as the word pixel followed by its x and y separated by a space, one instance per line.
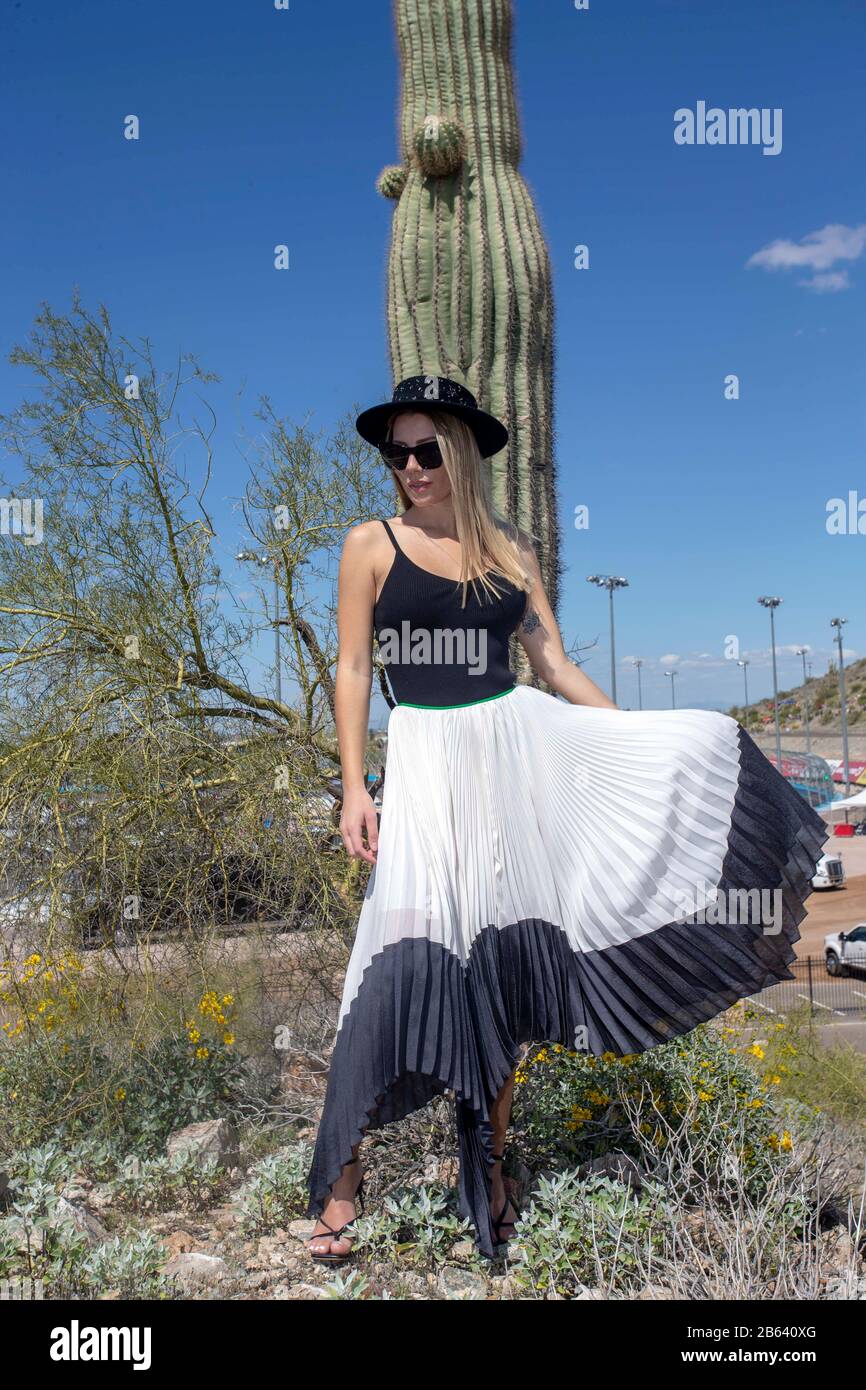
pixel 77 1343
pixel 846 516
pixel 737 126
pixel 21 1290
pixel 438 646
pixel 731 907
pixel 22 516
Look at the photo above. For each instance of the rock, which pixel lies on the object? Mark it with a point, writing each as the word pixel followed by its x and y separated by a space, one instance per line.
pixel 463 1250
pixel 522 1175
pixel 836 1249
pixel 302 1229
pixel 101 1195
pixel 78 1189
pixel 462 1284
pixel 272 1252
pixel 210 1139
pixel 617 1166
pixel 83 1220
pixel 195 1268
pixel 652 1293
pixel 586 1295
pixel 300 1291
pixel 67 1212
pixel 224 1218
pixel 178 1242
pixel 505 1286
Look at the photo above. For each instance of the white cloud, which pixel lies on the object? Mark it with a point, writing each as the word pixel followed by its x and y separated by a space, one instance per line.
pixel 818 252
pixel 670 659
pixel 829 283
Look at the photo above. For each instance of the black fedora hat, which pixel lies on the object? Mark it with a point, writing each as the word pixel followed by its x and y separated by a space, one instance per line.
pixel 434 393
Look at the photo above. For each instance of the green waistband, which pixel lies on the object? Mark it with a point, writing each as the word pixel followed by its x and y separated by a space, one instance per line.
pixel 407 704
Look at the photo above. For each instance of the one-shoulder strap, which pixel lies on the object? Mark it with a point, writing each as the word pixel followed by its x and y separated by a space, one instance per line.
pixel 391 534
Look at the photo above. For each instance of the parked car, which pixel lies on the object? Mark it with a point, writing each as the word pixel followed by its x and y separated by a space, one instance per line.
pixel 830 872
pixel 845 951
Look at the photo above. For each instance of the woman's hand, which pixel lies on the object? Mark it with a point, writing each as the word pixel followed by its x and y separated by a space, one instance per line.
pixel 359 815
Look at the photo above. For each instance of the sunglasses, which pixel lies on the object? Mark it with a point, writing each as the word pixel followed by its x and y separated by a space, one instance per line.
pixel 397 455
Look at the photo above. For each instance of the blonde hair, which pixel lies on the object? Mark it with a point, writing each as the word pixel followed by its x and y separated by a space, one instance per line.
pixel 488 541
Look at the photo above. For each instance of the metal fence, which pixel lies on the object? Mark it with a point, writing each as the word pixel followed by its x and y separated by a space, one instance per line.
pixel 828 996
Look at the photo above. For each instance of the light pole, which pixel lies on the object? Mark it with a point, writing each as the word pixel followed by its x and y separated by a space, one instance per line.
pixel 745 665
pixel 773 604
pixel 673 676
pixel 610 582
pixel 803 652
pixel 638 663
pixel 252 557
pixel 839 623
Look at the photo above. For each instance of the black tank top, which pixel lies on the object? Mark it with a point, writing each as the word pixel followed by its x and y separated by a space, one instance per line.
pixel 436 652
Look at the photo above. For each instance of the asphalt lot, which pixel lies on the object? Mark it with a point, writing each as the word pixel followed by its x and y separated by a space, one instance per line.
pixel 836 909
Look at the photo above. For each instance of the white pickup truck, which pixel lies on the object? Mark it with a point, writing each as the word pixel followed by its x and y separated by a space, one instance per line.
pixel 846 950
pixel 830 872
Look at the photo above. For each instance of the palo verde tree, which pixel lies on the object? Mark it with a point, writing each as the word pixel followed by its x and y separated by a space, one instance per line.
pixel 143 781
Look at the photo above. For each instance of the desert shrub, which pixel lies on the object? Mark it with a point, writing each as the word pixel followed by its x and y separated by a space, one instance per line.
pixel 183 1181
pixel 275 1191
pixel 693 1106
pixel 129 1267
pixel 40 1243
pixel 417 1226
pixel 584 1231
pixel 77 1084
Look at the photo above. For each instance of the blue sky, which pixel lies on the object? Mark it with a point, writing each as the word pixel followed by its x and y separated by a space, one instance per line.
pixel 260 127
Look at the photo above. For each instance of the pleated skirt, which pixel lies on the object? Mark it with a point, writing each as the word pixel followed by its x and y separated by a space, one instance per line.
pixel 550 872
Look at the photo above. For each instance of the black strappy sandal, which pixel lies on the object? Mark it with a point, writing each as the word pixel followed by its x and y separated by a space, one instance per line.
pixel 331 1257
pixel 499 1221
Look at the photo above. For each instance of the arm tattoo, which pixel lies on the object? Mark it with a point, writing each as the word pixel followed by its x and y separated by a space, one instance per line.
pixel 531 621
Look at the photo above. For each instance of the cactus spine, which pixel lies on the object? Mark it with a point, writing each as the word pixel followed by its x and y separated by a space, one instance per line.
pixel 469 291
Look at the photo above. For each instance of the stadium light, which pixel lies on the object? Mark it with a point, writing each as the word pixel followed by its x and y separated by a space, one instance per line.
pixel 773 604
pixel 839 623
pixel 610 582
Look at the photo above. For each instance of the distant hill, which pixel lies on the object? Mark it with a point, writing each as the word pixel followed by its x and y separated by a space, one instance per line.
pixel 822 693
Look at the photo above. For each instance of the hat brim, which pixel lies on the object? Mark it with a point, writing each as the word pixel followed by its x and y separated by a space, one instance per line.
pixel 490 433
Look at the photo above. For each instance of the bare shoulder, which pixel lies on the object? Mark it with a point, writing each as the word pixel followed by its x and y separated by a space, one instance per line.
pixel 366 553
pixel 363 541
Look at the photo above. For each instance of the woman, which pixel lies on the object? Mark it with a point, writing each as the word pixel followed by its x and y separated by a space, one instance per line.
pixel 546 869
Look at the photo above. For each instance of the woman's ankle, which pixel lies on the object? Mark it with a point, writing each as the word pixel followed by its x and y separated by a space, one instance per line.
pixel 347 1183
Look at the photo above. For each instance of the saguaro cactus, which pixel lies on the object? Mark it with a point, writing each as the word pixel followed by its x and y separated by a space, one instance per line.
pixel 469 293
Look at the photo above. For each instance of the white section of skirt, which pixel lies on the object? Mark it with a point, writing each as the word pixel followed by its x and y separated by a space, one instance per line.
pixel 602 822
